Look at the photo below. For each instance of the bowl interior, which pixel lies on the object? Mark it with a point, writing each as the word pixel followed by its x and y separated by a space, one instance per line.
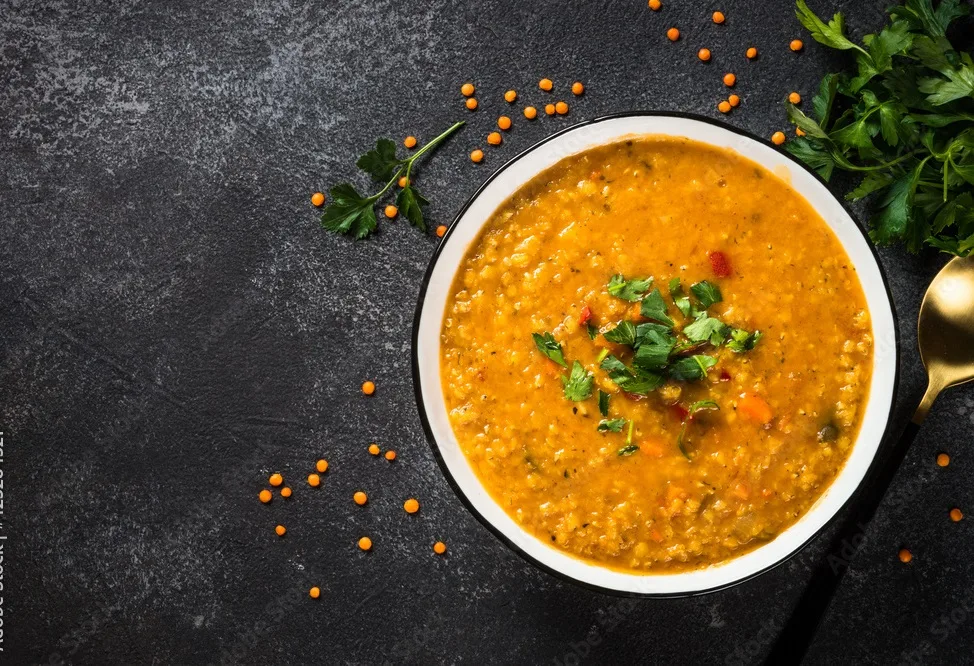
pixel 436 288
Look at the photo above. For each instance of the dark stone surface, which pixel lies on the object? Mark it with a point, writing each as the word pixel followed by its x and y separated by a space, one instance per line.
pixel 175 326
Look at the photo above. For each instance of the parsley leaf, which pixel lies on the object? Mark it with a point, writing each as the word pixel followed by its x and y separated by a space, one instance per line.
pixel 645 331
pixel 654 308
pixel 628 450
pixel 707 328
pixel 611 425
pixel 380 162
pixel 680 299
pixel 638 382
pixel 550 347
pixel 628 290
pixel 742 341
pixel 623 334
pixel 707 293
pixel 349 212
pixel 832 34
pixel 654 351
pixel 603 403
pixel 409 203
pixel 692 368
pixel 593 331
pixel 578 385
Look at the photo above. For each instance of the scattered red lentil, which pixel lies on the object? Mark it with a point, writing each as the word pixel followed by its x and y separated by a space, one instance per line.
pixel 673 34
pixel 314 480
pixel 546 84
pixel 368 388
pixel 561 108
pixel 374 449
pixel 778 138
pixel 276 479
pixel 285 492
pixel 578 88
pixel 734 100
pixel 655 5
pixel 730 79
pixel 794 98
pixel 441 230
pixel 510 96
pixel 280 530
pixel 360 498
pixel 504 123
pixel 322 466
pixel 796 45
pixel 390 455
pixel 718 17
pixel 439 547
pixel 956 515
pixel 494 138
pixel 365 543
pixel 799 131
pixel 411 505
pixel 549 109
pixel 905 556
pixel 477 155
pixel 467 90
pixel 403 181
pixel 943 459
pixel 265 496
pixel 724 106
pixel 409 142
pixel 317 199
pixel 314 593
pixel 752 53
pixel 471 103
pixel 704 54
pixel 530 112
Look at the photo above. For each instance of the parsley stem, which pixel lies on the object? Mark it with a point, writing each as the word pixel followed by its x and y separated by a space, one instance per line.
pixel 408 162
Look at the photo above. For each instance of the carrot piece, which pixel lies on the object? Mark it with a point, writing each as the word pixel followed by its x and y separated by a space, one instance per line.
pixel 756 409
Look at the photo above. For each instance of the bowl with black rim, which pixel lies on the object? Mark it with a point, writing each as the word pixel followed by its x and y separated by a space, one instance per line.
pixel 466 229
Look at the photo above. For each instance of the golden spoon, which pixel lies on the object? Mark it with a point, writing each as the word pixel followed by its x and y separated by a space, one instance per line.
pixel 945 333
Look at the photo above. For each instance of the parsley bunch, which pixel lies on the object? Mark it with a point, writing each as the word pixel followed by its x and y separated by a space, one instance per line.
pixel 351 213
pixel 904 122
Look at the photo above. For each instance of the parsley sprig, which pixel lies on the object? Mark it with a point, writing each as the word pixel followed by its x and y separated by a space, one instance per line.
pixel 352 213
pixel 904 122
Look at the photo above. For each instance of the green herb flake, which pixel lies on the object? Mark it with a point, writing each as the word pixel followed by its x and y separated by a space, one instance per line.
pixel 550 347
pixel 578 385
pixel 707 293
pixel 628 290
pixel 604 403
pixel 692 368
pixel 627 450
pixel 680 298
pixel 707 329
pixel 623 334
pixel 611 425
pixel 654 308
pixel 742 341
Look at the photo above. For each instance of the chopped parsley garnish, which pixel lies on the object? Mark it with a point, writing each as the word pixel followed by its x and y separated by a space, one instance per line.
pixel 653 307
pixel 654 351
pixel 628 450
pixel 623 334
pixel 354 214
pixel 635 381
pixel 707 328
pixel 692 368
pixel 611 425
pixel 742 341
pixel 628 290
pixel 680 298
pixel 707 293
pixel 550 347
pixel 603 403
pixel 593 331
pixel 578 385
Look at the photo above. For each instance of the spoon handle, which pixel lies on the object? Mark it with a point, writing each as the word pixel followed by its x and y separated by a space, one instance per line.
pixel 797 635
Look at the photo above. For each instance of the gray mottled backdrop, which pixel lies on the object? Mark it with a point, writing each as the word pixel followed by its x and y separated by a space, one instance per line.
pixel 175 326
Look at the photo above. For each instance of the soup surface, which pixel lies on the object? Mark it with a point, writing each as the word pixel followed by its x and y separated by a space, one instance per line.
pixel 743 394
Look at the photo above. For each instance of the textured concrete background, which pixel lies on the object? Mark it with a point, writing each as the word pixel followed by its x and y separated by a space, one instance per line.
pixel 175 326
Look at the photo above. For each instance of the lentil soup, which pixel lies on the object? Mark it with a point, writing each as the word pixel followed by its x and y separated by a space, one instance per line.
pixel 584 433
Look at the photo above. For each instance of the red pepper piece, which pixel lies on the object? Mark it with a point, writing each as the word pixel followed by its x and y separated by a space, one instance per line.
pixel 720 264
pixel 586 316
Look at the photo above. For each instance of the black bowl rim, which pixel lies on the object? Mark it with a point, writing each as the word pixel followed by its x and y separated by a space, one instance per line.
pixel 495 530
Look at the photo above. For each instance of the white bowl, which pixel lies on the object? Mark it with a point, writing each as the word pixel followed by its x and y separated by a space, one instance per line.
pixel 465 230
